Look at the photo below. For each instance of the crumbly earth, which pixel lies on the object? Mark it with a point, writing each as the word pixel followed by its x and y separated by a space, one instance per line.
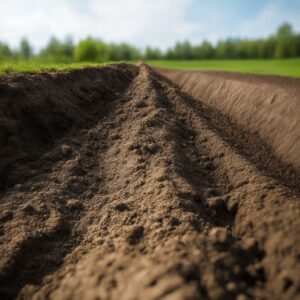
pixel 115 184
pixel 267 105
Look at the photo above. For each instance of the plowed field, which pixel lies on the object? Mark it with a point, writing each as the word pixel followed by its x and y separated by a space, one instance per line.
pixel 131 183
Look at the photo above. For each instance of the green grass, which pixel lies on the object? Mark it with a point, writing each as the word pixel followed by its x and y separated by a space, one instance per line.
pixel 32 67
pixel 282 67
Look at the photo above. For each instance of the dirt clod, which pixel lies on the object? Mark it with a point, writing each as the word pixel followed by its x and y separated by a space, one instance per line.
pixel 66 150
pixel 219 235
pixel 74 204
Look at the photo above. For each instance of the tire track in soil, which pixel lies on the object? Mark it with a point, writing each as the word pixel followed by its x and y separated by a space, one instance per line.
pixel 170 210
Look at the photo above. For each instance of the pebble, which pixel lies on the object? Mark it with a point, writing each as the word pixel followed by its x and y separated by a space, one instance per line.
pixel 231 287
pixel 249 244
pixel 216 202
pixel 232 206
pixel 219 234
pixel 241 297
pixel 66 150
pixel 74 204
pixel 241 183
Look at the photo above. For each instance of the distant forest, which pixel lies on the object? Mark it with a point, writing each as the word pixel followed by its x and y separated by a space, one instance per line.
pixel 284 43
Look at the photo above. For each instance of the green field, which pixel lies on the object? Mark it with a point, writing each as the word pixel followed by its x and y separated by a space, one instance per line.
pixel 283 67
pixel 32 67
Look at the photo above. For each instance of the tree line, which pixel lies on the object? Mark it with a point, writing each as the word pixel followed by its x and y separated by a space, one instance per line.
pixel 283 44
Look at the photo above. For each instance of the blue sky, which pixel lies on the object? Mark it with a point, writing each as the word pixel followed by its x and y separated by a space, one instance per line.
pixel 238 18
pixel 143 22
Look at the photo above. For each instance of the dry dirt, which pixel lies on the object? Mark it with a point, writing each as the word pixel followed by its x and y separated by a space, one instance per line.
pixel 116 184
pixel 266 105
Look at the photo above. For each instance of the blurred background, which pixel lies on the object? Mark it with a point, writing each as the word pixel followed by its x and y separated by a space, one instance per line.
pixel 261 36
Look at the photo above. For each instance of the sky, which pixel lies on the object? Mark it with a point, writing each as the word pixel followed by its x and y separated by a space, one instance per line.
pixel 158 23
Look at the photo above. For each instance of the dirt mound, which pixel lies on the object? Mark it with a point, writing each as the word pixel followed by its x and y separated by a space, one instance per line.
pixel 37 110
pixel 139 196
pixel 268 105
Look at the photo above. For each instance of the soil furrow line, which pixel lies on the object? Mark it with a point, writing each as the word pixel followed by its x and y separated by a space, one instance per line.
pixel 155 191
pixel 248 143
pixel 151 200
pixel 251 196
pixel 68 178
pixel 140 201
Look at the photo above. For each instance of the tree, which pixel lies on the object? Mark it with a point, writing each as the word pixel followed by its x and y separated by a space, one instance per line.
pixel 286 45
pixel 183 50
pixel 68 47
pixel 285 30
pixel 129 52
pixel 124 52
pixel 297 42
pixel 5 51
pixel 115 53
pixel 220 49
pixel 25 49
pixel 169 54
pixel 269 47
pixel 57 51
pixel 86 50
pixel 152 53
pixel 203 51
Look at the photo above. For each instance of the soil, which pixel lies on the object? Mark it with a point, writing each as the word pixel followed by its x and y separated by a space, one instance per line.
pixel 117 184
pixel 267 105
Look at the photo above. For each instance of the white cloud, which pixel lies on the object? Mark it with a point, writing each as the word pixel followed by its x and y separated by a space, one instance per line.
pixel 141 22
pixel 155 22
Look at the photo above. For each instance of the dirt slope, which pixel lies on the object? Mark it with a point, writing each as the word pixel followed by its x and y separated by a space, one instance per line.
pixel 144 197
pixel 267 105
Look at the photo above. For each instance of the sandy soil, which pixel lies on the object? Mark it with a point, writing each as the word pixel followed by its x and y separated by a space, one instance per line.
pixel 115 184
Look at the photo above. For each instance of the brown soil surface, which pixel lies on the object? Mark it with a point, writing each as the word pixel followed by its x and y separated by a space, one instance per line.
pixel 115 184
pixel 267 105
